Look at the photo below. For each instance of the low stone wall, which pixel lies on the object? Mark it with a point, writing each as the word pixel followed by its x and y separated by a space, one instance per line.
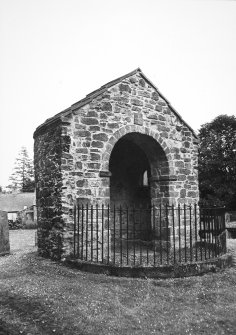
pixel 4 234
pixel 160 272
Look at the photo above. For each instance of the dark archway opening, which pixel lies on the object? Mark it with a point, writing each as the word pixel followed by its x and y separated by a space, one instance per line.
pixel 130 170
pixel 140 172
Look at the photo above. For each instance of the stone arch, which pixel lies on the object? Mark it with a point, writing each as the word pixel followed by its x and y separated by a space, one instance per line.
pixel 152 154
pixel 134 129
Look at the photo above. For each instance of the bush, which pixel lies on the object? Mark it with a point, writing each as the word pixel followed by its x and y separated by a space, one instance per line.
pixel 30 225
pixel 18 224
pixel 13 225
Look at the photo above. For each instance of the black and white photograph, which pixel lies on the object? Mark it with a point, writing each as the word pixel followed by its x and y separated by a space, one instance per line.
pixel 118 167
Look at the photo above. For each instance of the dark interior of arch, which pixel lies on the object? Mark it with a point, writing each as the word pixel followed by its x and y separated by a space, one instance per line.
pixel 128 164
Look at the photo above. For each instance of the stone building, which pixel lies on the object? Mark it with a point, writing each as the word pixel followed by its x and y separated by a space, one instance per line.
pixel 124 144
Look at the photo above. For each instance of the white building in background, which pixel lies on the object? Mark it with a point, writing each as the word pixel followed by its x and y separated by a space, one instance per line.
pixel 14 203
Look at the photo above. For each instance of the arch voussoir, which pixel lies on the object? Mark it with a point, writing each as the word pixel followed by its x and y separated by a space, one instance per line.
pixel 117 135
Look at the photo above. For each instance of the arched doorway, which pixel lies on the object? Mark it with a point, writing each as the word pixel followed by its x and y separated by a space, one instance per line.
pixel 137 164
pixel 130 171
pixel 140 171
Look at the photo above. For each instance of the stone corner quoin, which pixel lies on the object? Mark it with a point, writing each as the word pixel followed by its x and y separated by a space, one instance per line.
pixel 97 150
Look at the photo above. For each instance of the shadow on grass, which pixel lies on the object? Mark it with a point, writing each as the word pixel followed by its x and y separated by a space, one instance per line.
pixel 32 312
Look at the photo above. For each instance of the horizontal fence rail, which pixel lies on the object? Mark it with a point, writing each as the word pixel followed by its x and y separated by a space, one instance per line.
pixel 127 236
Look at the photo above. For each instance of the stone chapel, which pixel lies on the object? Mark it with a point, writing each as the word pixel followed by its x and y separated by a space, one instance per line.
pixel 124 144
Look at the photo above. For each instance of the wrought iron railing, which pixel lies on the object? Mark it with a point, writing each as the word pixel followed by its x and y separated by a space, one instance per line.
pixel 126 236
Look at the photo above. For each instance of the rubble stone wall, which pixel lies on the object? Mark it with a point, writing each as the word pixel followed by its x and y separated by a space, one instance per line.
pixel 48 178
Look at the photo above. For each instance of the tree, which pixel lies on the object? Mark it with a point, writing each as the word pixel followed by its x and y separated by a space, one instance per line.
pixel 22 178
pixel 217 162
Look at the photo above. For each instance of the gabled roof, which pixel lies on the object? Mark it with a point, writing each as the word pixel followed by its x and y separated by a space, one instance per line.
pixel 15 202
pixel 89 98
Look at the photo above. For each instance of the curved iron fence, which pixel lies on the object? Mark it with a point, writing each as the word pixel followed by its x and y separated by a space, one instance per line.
pixel 126 236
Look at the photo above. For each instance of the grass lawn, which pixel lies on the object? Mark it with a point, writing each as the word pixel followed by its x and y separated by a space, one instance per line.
pixel 38 296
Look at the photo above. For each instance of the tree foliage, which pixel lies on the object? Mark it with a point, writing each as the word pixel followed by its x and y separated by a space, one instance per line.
pixel 22 178
pixel 217 162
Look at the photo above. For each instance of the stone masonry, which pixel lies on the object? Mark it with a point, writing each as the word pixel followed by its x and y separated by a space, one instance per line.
pixel 98 150
pixel 4 234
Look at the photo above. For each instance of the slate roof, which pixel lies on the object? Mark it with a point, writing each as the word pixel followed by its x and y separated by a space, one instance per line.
pixel 16 202
pixel 89 97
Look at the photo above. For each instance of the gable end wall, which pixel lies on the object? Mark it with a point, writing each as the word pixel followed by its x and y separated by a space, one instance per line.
pixel 80 168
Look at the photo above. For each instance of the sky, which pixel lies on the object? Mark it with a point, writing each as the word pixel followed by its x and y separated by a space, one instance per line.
pixel 54 52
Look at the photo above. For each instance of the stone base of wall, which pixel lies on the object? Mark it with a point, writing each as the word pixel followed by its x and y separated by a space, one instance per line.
pixel 4 234
pixel 159 272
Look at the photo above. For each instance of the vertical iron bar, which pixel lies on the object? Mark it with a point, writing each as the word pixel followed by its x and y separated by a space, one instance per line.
pixel 211 224
pixel 173 223
pixel 102 232
pixel 120 234
pixel 217 239
pixel 212 233
pixel 206 236
pixel 221 246
pixel 160 233
pixel 75 231
pixel 134 233
pixel 204 228
pixel 209 233
pixel 78 219
pixel 185 234
pixel 195 227
pixel 108 234
pixel 215 232
pixel 223 230
pixel 190 232
pixel 219 232
pixel 91 224
pixel 86 232
pixel 127 231
pixel 82 236
pixel 114 226
pixel 154 235
pixel 97 229
pixel 167 233
pixel 146 212
pixel 200 229
pixel 179 222
pixel 141 251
